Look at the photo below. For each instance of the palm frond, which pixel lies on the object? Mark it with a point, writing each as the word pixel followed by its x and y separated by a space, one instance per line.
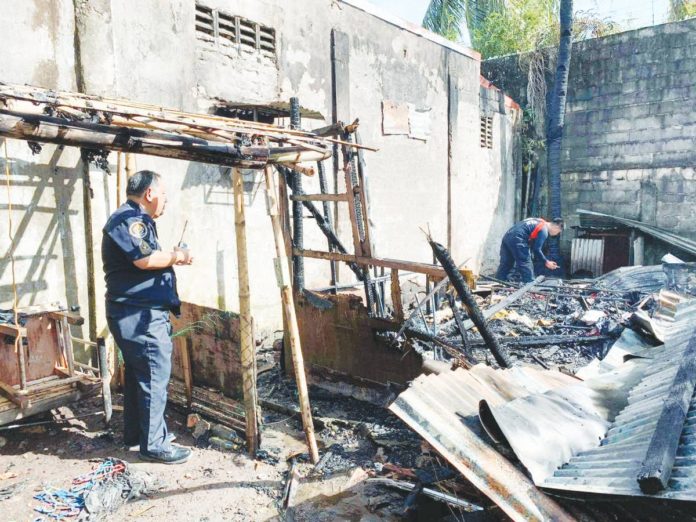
pixel 445 17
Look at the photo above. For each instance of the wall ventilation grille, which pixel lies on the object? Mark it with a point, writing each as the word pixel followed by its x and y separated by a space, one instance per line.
pixel 487 132
pixel 224 29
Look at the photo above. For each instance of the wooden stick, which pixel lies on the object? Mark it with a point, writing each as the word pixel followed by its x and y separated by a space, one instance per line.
pixel 18 397
pixel 396 296
pixel 130 165
pixel 105 377
pixel 320 197
pixel 186 369
pixel 245 324
pixel 357 240
pixel 412 266
pixel 283 274
pixel 119 166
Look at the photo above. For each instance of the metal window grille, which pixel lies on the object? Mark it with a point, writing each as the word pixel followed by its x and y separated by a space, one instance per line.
pixel 222 28
pixel 487 132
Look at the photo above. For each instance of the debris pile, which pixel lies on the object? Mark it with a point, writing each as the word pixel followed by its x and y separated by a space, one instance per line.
pixel 617 429
pixel 553 324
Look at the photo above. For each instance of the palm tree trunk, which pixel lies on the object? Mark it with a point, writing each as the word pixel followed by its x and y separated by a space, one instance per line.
pixel 554 133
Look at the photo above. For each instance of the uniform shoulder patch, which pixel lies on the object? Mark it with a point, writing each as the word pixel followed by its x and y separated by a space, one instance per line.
pixel 137 229
pixel 145 248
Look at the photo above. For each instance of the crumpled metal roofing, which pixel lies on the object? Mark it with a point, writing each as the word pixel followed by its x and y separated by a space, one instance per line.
pixel 634 279
pixel 613 466
pixel 443 409
pixel 546 430
pixel 683 243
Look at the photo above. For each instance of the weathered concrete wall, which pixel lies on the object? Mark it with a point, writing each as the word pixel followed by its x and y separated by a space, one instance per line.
pixel 149 51
pixel 628 146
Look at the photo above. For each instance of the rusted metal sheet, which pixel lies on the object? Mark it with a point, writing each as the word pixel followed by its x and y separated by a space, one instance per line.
pixel 42 353
pixel 338 338
pixel 443 409
pixel 213 337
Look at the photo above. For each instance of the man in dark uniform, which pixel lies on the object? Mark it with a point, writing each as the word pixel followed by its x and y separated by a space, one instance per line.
pixel 514 250
pixel 140 293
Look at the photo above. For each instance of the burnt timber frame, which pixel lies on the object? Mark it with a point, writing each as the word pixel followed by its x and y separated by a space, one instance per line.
pixel 96 123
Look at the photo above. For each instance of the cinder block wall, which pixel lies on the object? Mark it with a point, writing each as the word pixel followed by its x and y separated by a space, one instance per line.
pixel 629 147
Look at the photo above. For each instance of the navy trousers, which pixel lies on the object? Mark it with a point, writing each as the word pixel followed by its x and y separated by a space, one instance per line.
pixel 144 337
pixel 515 251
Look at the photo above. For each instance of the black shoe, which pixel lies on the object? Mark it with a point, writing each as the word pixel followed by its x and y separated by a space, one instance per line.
pixel 135 446
pixel 174 455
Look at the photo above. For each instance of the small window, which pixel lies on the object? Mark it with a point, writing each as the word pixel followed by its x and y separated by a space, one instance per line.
pixel 487 132
pixel 222 28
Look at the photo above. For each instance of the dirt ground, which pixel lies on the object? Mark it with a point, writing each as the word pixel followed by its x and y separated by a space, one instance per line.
pixel 218 485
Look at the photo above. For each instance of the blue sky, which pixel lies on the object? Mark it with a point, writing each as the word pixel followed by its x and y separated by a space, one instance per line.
pixel 629 14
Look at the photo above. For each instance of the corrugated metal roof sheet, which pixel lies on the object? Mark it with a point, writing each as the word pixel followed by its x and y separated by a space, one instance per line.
pixel 634 279
pixel 683 243
pixel 443 409
pixel 613 467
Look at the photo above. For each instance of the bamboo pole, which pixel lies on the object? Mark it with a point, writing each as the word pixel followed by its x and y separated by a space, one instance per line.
pixel 89 251
pixel 68 101
pixel 119 175
pixel 284 282
pixel 245 321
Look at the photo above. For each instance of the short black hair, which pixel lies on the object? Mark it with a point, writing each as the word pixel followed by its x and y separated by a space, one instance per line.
pixel 559 222
pixel 139 182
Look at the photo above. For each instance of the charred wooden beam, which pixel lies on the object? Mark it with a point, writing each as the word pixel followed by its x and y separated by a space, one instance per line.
pixel 412 266
pixel 656 469
pixel 323 225
pixel 324 189
pixel 458 321
pixel 464 292
pixel 330 130
pixel 542 340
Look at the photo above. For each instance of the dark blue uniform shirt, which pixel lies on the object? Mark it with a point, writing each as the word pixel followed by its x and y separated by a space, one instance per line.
pixel 522 230
pixel 130 234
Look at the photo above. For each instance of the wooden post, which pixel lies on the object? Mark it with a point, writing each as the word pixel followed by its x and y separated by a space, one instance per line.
pixel 89 251
pixel 396 296
pixel 105 377
pixel 245 324
pixel 283 274
pixel 130 165
pixel 119 168
pixel 186 369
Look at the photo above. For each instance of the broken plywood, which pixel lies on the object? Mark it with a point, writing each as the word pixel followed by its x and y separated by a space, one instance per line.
pixel 339 343
pixel 212 339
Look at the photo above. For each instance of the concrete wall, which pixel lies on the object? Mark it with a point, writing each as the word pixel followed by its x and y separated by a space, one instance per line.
pixel 148 51
pixel 628 147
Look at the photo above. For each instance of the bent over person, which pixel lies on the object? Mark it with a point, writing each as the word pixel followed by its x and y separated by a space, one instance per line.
pixel 515 247
pixel 140 294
